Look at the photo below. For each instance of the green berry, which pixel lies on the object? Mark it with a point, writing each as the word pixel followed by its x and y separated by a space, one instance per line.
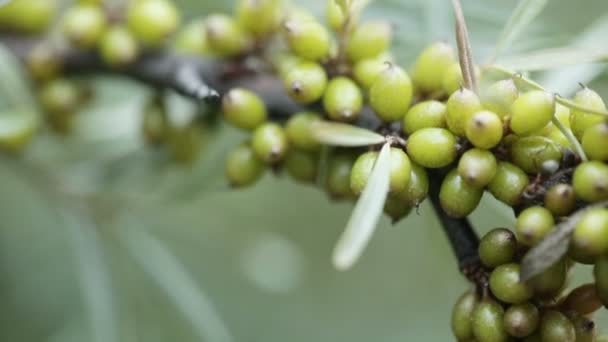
pixel 452 78
pixel 307 38
pixel 477 167
pixel 551 281
pixel 560 199
pixel 521 320
pixel 243 168
pixel 497 247
pixel 424 114
pixel 335 15
pixel 155 127
pixel 396 208
pixel 458 199
pixel 590 181
pixel 269 143
pixel 499 97
pixel 306 82
pixel 399 175
pixel 29 16
pixel 260 17
pixel 487 322
pixel 84 25
pixel 417 188
pixel 585 328
pixel 461 316
pixel 302 165
pixel 432 147
pixel 591 232
pixel 152 21
pixel 118 47
pixel 484 129
pixel 534 154
pixel 339 175
pixel 600 274
pixel 192 39
pixel 461 105
pixel 531 111
pixel 367 71
pixel 533 224
pixel 44 62
pixel 595 141
pixel 284 63
pixel 369 40
pixel 342 100
pixel 299 131
pixel 506 286
pixel 60 96
pixel 361 171
pixel 224 36
pixel 583 300
pixel 185 143
pixel 556 327
pixel 391 94
pixel 509 183
pixel 244 109
pixel 431 65
pixel 580 120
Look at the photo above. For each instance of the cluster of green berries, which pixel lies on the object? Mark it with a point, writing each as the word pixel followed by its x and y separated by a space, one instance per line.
pixel 542 309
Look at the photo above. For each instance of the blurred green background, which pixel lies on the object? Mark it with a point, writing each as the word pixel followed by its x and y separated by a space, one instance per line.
pixel 166 253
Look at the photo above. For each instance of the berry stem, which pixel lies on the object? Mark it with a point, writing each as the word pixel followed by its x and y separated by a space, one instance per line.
pixel 570 104
pixel 571 138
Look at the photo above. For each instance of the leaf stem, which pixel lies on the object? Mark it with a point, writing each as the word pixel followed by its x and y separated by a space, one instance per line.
pixel 571 138
pixel 570 104
pixel 465 54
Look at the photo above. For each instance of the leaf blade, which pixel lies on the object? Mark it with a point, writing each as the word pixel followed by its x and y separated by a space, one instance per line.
pixel 339 134
pixel 555 58
pixel 365 215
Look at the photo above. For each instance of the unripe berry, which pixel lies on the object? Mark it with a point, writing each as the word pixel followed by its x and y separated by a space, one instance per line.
pixel 269 143
pixel 423 115
pixel 477 167
pixel 461 105
pixel 243 168
pixel 306 82
pixel 461 316
pixel 192 39
pixel 531 111
pixel 591 232
pixel 391 94
pixel 399 175
pixel 396 208
pixel 299 131
pixel 18 130
pixel 260 17
pixel 367 71
pixel 224 36
pixel 521 320
pixel 506 286
pixel 497 247
pixel 60 96
pixel 342 100
pixel 431 66
pixel 335 15
pixel 509 183
pixel 361 171
pixel 118 47
pixel 583 300
pixel 29 16
pixel 560 199
pixel 84 25
pixel 551 281
pixel 590 181
pixel 580 120
pixel 186 143
pixel 152 21
pixel 595 141
pixel 487 321
pixel 432 147
pixel 307 38
pixel 44 62
pixel 556 327
pixel 155 127
pixel 302 165
pixel 339 175
pixel 243 108
pixel 585 328
pixel 458 199
pixel 452 78
pixel 484 129
pixel 417 188
pixel 369 40
pixel 499 97
pixel 534 154
pixel 284 62
pixel 533 224
pixel 600 275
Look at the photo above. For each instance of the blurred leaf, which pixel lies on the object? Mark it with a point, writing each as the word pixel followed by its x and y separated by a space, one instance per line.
pixel 17 128
pixel 555 58
pixel 338 134
pixel 365 215
pixel 523 15
pixel 12 81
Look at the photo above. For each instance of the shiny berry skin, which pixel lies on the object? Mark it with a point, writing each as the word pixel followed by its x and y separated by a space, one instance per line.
pixel 243 168
pixel 367 71
pixel 118 46
pixel 335 15
pixel 399 175
pixel 531 111
pixel 600 275
pixel 84 25
pixel 307 38
pixel 461 105
pixel 590 181
pixel 60 96
pixel 556 327
pixel 532 154
pixel 506 286
pixel 499 97
pixel 458 199
pixel 192 39
pixel 269 143
pixel 533 224
pixel 369 40
pixel 432 147
pixel 509 183
pixel 339 175
pixel 580 120
pixel 423 115
pixel 487 322
pixel 431 66
pixel 299 131
pixel 224 36
pixel 484 129
pixel 152 21
pixel 591 232
pixel 461 322
pixel 302 165
pixel 243 109
pixel 560 199
pixel 497 247
pixel 28 16
pixel 595 141
pixel 477 167
pixel 551 281
pixel 343 99
pixel 452 78
pixel 361 171
pixel 306 82
pixel 396 208
pixel 417 188
pixel 583 300
pixel 521 320
pixel 391 94
pixel 260 17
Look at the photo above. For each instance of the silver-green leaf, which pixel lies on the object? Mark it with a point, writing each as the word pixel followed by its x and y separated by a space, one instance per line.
pixel 339 134
pixel 365 215
pixel 555 58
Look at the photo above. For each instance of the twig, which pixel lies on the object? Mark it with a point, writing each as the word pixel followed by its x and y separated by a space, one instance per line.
pixel 465 54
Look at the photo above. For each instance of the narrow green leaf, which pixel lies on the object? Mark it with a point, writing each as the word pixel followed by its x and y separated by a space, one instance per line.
pixel 339 134
pixel 162 266
pixel 365 215
pixel 555 58
pixel 523 15
pixel 13 83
